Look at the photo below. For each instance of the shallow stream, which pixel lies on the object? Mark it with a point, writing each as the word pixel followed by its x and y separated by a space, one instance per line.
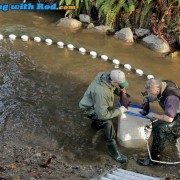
pixel 42 85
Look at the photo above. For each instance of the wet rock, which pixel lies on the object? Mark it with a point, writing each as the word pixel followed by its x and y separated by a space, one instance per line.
pixel 69 23
pixel 173 54
pixel 125 34
pixel 156 43
pixel 90 26
pixel 100 28
pixel 84 18
pixel 141 32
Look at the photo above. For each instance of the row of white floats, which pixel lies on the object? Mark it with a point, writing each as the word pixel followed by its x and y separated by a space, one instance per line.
pixel 82 50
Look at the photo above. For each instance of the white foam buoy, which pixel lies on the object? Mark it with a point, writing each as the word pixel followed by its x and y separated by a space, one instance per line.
pixel 70 46
pixel 82 50
pixel 60 44
pixel 48 41
pixel 127 67
pixel 12 37
pixel 116 63
pixel 104 57
pixel 1 36
pixel 150 77
pixel 93 54
pixel 37 39
pixel 139 72
pixel 24 38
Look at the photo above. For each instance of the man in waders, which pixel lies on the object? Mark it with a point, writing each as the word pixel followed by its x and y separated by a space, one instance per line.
pixel 168 95
pixel 97 104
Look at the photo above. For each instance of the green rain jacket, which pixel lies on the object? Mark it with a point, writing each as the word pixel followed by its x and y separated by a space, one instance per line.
pixel 98 99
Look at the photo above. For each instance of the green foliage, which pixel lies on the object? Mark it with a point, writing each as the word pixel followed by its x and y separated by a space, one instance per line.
pixel 110 9
pixel 65 2
pixel 149 1
pixel 81 5
pixel 144 13
pixel 131 6
pixel 132 13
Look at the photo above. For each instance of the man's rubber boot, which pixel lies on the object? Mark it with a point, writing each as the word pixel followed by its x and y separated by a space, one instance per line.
pixel 148 162
pixel 145 162
pixel 113 150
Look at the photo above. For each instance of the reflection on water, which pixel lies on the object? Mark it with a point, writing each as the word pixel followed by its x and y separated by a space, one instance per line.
pixel 41 85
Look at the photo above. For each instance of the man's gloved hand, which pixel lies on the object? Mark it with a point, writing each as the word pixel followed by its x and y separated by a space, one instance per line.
pixel 145 109
pixel 150 115
pixel 124 99
pixel 145 97
pixel 123 109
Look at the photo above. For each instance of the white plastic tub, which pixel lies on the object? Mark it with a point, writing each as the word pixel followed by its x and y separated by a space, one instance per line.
pixel 131 126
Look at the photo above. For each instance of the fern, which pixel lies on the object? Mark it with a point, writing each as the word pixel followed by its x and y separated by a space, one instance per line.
pixel 100 3
pixel 144 13
pixel 77 3
pixel 87 5
pixel 109 9
pixel 149 1
pixel 65 2
pixel 130 6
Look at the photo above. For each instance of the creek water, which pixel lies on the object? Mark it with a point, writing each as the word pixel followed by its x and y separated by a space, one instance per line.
pixel 42 85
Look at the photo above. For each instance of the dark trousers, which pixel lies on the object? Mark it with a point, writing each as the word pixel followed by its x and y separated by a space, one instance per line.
pixel 107 128
pixel 162 133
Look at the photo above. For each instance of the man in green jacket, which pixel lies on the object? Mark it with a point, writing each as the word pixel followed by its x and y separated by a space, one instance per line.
pixel 97 104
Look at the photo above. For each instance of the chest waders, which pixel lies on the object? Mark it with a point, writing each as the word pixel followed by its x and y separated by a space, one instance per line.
pixel 147 131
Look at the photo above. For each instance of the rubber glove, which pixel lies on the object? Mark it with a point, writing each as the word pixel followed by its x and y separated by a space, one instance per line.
pixel 150 115
pixel 123 109
pixel 145 105
pixel 124 99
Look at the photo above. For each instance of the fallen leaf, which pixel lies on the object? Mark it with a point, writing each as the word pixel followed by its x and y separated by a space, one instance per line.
pixel 13 166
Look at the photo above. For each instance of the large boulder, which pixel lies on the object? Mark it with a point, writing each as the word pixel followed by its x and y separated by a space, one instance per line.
pixel 125 34
pixel 140 32
pixel 156 43
pixel 69 23
pixel 84 18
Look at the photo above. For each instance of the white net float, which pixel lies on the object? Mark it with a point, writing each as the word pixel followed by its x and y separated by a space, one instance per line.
pixel 127 67
pixel 1 36
pixel 82 50
pixel 104 57
pixel 116 63
pixel 24 38
pixel 37 39
pixel 60 44
pixel 139 72
pixel 93 54
pixel 70 46
pixel 12 37
pixel 150 76
pixel 48 42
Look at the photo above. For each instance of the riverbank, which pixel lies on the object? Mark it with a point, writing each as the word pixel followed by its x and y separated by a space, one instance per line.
pixel 19 162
